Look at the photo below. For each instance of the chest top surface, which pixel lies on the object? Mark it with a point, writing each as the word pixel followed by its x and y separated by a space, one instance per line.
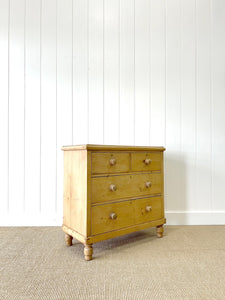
pixel 95 147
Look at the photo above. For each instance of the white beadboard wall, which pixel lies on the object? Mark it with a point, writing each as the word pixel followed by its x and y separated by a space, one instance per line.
pixel 132 72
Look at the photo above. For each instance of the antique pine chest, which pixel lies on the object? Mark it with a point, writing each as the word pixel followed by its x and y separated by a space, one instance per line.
pixel 111 191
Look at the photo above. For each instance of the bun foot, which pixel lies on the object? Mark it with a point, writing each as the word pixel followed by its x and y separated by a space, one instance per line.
pixel 88 251
pixel 68 240
pixel 159 231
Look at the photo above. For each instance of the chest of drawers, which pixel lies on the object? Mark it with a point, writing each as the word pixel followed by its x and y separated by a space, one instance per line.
pixel 111 191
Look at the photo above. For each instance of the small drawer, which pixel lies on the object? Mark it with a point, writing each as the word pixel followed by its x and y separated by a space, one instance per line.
pixel 145 161
pixel 125 186
pixel 148 209
pixel 110 162
pixel 111 217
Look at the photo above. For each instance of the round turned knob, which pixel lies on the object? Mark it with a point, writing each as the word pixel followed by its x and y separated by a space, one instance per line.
pixel 112 187
pixel 147 161
pixel 112 161
pixel 148 208
pixel 148 184
pixel 113 216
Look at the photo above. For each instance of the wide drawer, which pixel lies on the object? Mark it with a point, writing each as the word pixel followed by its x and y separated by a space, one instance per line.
pixel 125 186
pixel 145 161
pixel 110 162
pixel 113 216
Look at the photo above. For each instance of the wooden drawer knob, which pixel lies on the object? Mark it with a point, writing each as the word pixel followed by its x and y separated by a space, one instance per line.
pixel 147 161
pixel 113 187
pixel 112 161
pixel 148 184
pixel 148 208
pixel 113 216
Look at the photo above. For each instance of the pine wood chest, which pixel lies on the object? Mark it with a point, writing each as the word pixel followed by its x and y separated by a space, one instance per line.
pixel 111 191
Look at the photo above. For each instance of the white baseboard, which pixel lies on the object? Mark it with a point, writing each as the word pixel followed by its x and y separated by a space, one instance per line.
pixel 30 220
pixel 195 217
pixel 172 218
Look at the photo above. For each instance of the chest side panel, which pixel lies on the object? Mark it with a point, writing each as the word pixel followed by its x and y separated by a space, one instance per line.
pixel 75 191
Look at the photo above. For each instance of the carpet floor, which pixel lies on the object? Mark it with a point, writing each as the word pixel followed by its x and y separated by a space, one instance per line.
pixel 187 263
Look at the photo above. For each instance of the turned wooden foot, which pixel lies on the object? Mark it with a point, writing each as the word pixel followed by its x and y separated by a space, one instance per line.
pixel 88 251
pixel 159 231
pixel 68 239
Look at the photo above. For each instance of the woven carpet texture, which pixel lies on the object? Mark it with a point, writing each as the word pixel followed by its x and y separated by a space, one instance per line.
pixel 187 263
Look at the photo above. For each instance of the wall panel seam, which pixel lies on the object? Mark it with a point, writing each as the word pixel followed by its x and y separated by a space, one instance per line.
pixel 150 73
pixel 134 75
pixel 103 69
pixel 165 54
pixel 9 7
pixel 119 74
pixel 56 103
pixel 72 75
pixel 180 96
pixel 196 99
pixel 211 101
pixel 24 123
pixel 40 204
pixel 88 62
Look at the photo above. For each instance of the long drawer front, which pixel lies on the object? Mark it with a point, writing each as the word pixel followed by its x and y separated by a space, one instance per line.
pixel 114 216
pixel 125 186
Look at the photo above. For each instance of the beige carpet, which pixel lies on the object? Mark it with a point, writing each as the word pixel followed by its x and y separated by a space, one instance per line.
pixel 187 263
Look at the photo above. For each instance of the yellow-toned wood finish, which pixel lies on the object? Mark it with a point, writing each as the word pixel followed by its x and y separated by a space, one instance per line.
pixel 125 186
pixel 88 250
pixel 110 191
pixel 145 161
pixel 118 215
pixel 148 209
pixel 75 191
pixel 68 239
pixel 102 148
pixel 159 231
pixel 102 221
pixel 111 234
pixel 74 234
pixel 110 162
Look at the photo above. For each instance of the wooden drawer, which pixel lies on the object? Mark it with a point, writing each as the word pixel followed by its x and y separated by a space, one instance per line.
pixel 148 209
pixel 145 161
pixel 113 216
pixel 110 162
pixel 125 186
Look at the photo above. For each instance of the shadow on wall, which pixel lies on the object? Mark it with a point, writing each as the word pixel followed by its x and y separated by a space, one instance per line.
pixel 175 190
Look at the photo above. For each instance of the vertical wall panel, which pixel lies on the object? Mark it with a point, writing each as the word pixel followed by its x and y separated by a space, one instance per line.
pixel 157 67
pixel 142 57
pixel 218 104
pixel 188 105
pixel 80 72
pixel 127 72
pixel 16 107
pixel 64 89
pixel 4 30
pixel 32 107
pixel 203 105
pixel 96 87
pixel 173 105
pixel 111 71
pixel 48 107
